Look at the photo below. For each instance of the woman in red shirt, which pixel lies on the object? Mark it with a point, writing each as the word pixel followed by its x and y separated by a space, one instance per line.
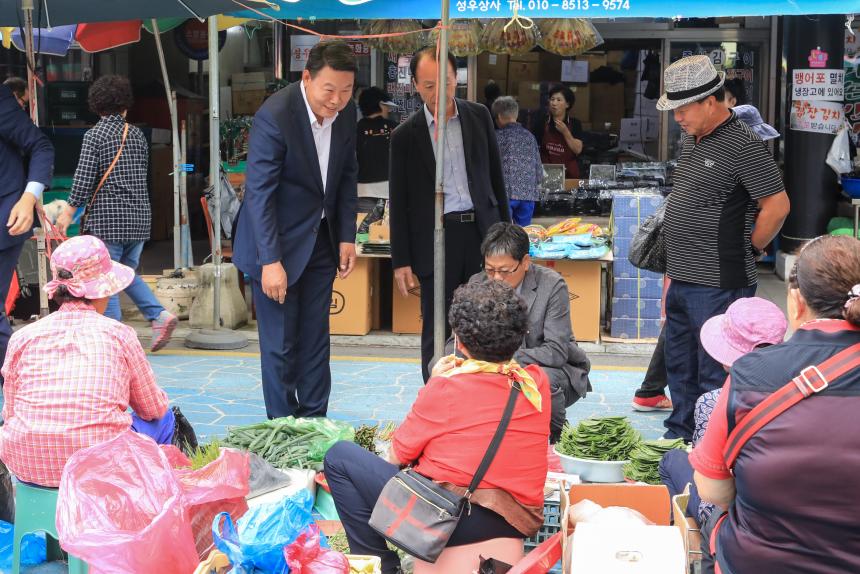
pixel 559 134
pixel 446 433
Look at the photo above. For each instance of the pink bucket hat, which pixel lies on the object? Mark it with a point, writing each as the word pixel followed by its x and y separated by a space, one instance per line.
pixel 94 275
pixel 746 324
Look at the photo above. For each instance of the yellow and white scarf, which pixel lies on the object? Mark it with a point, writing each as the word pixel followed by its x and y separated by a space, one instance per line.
pixel 511 369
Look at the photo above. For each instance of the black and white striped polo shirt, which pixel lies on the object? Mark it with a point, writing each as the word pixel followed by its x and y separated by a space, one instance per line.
pixel 713 205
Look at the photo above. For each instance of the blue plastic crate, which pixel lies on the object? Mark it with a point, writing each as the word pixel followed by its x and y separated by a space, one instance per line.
pixel 648 286
pixel 635 329
pixel 635 308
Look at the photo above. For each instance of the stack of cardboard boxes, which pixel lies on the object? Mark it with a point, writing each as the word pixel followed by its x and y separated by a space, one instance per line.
pixel 249 91
pixel 636 294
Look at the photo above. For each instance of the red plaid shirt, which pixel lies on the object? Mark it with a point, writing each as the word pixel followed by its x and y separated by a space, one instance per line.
pixel 69 380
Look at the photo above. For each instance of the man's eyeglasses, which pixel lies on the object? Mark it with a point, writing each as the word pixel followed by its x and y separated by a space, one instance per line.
pixel 502 272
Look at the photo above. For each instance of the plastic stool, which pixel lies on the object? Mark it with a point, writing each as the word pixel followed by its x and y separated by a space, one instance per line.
pixel 36 510
pixel 466 559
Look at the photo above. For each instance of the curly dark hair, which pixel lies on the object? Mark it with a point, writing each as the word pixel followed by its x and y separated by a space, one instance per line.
pixel 490 320
pixel 110 95
pixel 62 295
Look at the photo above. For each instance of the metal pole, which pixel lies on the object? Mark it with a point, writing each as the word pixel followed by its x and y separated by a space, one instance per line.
pixel 186 259
pixel 41 247
pixel 215 163
pixel 215 338
pixel 278 35
pixel 439 228
pixel 174 125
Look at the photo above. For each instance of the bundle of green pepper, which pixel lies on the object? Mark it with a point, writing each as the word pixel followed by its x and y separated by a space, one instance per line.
pixel 290 442
pixel 645 459
pixel 607 438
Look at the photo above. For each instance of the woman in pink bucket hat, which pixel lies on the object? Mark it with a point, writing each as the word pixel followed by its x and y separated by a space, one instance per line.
pixel 71 376
pixel 748 324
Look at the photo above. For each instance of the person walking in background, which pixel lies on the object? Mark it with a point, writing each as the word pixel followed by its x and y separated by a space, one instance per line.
pixel 474 187
pixel 559 135
pixel 726 181
pixel 26 168
pixel 521 163
pixel 296 228
pixel 110 183
pixel 372 145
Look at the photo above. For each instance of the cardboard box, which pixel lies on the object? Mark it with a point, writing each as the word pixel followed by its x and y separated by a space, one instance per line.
pixel 521 72
pixel 527 57
pixel 686 525
pixel 351 311
pixel 649 500
pixel 584 292
pixel 248 82
pixel 529 95
pixel 572 183
pixel 406 311
pixel 594 60
pixel 379 232
pixel 492 67
pixel 247 102
pixel 607 105
pixel 627 549
pixel 582 106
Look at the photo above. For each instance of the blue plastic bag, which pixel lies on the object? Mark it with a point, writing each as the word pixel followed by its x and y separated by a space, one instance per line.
pixel 263 532
pixel 33 547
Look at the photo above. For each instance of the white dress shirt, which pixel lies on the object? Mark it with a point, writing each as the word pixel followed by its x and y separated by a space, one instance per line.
pixel 456 188
pixel 322 136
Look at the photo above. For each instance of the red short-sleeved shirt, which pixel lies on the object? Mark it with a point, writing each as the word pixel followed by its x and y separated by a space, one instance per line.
pixel 452 422
pixel 707 457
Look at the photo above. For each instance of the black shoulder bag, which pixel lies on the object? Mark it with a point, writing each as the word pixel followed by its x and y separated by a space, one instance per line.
pixel 419 516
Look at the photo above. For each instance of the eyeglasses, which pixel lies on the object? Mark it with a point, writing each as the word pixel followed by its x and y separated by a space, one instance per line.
pixel 503 272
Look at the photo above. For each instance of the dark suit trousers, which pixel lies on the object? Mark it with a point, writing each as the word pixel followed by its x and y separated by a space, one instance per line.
pixel 8 261
pixel 462 260
pixel 294 338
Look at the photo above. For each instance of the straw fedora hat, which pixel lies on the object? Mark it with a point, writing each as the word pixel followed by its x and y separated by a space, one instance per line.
pixel 688 80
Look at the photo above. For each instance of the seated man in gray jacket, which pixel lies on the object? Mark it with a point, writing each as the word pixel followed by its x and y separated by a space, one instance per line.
pixel 549 341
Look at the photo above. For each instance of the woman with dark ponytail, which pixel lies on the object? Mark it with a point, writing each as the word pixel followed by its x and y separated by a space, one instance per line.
pixel 787 479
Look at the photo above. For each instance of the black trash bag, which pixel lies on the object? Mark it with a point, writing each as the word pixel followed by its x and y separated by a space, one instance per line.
pixel 376 215
pixel 7 496
pixel 648 247
pixel 184 437
pixel 493 566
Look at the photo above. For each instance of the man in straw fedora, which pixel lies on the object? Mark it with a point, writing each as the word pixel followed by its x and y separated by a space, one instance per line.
pixel 725 183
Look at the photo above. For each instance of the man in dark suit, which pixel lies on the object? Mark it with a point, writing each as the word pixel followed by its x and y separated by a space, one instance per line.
pixel 296 227
pixel 26 167
pixel 549 342
pixel 474 188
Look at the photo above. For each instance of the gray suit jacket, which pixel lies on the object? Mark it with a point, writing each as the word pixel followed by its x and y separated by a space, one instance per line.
pixel 549 342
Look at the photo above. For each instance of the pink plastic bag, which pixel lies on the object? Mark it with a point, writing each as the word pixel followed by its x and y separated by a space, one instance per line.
pixel 305 556
pixel 120 509
pixel 220 486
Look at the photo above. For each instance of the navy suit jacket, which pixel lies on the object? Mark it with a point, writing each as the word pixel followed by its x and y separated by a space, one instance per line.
pixel 26 154
pixel 284 198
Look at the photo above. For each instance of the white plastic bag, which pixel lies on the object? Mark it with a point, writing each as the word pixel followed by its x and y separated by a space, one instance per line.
pixel 839 156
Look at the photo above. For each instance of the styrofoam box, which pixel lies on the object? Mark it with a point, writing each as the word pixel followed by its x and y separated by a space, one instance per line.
pixel 647 287
pixel 635 329
pixel 640 205
pixel 626 227
pixel 623 269
pixel 621 246
pixel 635 308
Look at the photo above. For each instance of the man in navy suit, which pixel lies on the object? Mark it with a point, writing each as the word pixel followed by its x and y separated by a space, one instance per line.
pixel 26 167
pixel 296 227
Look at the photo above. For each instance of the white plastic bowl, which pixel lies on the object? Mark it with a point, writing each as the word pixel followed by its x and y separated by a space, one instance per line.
pixel 593 470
